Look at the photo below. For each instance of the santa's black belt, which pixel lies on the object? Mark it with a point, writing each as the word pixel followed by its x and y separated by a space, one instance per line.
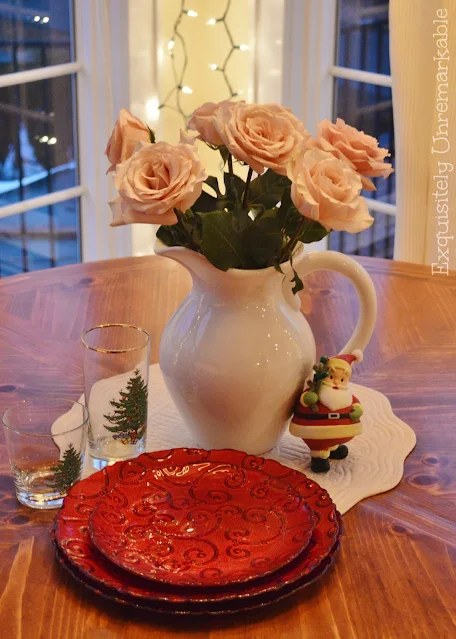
pixel 326 416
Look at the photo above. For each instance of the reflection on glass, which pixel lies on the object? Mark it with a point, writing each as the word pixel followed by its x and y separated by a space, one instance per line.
pixel 377 241
pixel 363 41
pixel 37 141
pixel 35 34
pixel 42 238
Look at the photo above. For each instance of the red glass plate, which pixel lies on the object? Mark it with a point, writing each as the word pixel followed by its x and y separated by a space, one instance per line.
pixel 218 608
pixel 72 531
pixel 206 524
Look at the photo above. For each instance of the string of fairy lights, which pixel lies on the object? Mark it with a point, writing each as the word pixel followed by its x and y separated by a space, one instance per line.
pixel 173 98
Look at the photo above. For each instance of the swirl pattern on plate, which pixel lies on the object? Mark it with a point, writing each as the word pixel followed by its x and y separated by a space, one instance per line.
pixel 72 527
pixel 230 606
pixel 201 524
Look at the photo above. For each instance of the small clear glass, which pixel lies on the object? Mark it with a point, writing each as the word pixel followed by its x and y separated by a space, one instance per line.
pixel 116 375
pixel 46 439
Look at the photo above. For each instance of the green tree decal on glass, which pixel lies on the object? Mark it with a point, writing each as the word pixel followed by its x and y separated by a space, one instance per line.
pixel 67 470
pixel 129 418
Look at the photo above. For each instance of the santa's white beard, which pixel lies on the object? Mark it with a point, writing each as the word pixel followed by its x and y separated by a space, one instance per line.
pixel 334 399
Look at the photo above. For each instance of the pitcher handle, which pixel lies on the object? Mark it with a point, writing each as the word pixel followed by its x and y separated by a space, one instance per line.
pixel 334 261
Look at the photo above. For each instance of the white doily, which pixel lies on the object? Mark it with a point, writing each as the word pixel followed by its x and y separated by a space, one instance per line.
pixel 374 465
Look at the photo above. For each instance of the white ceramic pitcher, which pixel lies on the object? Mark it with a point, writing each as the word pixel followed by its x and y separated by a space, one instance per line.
pixel 237 351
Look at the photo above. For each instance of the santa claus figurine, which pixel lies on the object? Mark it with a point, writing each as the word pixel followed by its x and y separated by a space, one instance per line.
pixel 327 414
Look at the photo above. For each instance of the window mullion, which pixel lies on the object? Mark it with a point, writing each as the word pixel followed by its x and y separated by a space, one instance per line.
pixel 381 207
pixel 42 73
pixel 43 200
pixel 357 75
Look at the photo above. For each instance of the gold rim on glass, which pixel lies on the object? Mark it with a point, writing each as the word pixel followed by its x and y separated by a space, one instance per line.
pixel 115 350
pixel 85 412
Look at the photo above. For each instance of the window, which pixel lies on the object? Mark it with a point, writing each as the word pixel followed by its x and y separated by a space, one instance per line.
pixel 38 149
pixel 362 97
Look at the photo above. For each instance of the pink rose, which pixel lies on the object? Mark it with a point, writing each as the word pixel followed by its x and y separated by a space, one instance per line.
pixel 186 138
pixel 157 179
pixel 127 132
pixel 202 120
pixel 357 148
pixel 262 136
pixel 327 190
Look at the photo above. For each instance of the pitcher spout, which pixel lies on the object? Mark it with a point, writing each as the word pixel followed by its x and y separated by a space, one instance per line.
pixel 195 263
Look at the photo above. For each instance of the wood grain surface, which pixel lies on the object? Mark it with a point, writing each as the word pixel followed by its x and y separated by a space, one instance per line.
pixel 395 575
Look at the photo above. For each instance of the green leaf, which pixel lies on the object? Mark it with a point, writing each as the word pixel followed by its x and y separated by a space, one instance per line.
pixel 234 186
pixel 241 220
pixel 292 222
pixel 234 190
pixel 220 243
pixel 258 211
pixel 298 285
pixel 267 213
pixel 267 189
pixel 287 207
pixel 290 219
pixel 262 243
pixel 286 201
pixel 212 181
pixel 224 153
pixel 313 232
pixel 207 202
pixel 172 235
pixel 175 235
pixel 197 227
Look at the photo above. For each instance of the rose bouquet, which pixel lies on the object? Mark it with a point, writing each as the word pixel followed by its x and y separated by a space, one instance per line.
pixel 298 188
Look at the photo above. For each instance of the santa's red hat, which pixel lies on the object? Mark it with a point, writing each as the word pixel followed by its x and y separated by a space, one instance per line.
pixel 345 360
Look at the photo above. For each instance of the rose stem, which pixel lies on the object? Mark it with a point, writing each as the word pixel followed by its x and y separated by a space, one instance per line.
pixel 246 191
pixel 230 164
pixel 294 240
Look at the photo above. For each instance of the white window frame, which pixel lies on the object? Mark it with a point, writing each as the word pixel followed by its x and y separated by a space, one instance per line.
pixel 101 70
pixel 22 77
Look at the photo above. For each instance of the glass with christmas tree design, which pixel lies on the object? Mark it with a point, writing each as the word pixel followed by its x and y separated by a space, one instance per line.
pixel 116 374
pixel 46 439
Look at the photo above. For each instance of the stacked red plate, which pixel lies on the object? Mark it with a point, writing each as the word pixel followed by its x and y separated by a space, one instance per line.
pixel 190 531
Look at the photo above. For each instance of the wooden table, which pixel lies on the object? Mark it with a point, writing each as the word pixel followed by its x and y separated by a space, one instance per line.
pixel 395 575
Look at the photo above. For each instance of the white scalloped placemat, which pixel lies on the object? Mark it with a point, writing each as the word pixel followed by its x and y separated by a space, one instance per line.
pixel 374 465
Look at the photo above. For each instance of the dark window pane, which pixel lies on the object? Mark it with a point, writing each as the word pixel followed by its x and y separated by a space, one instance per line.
pixel 34 34
pixel 377 241
pixel 37 139
pixel 42 238
pixel 364 35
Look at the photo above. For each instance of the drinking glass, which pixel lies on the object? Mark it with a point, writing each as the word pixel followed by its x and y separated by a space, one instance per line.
pixel 46 438
pixel 116 375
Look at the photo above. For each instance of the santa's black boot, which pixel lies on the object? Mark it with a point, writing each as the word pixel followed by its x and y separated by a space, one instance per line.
pixel 319 465
pixel 340 453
